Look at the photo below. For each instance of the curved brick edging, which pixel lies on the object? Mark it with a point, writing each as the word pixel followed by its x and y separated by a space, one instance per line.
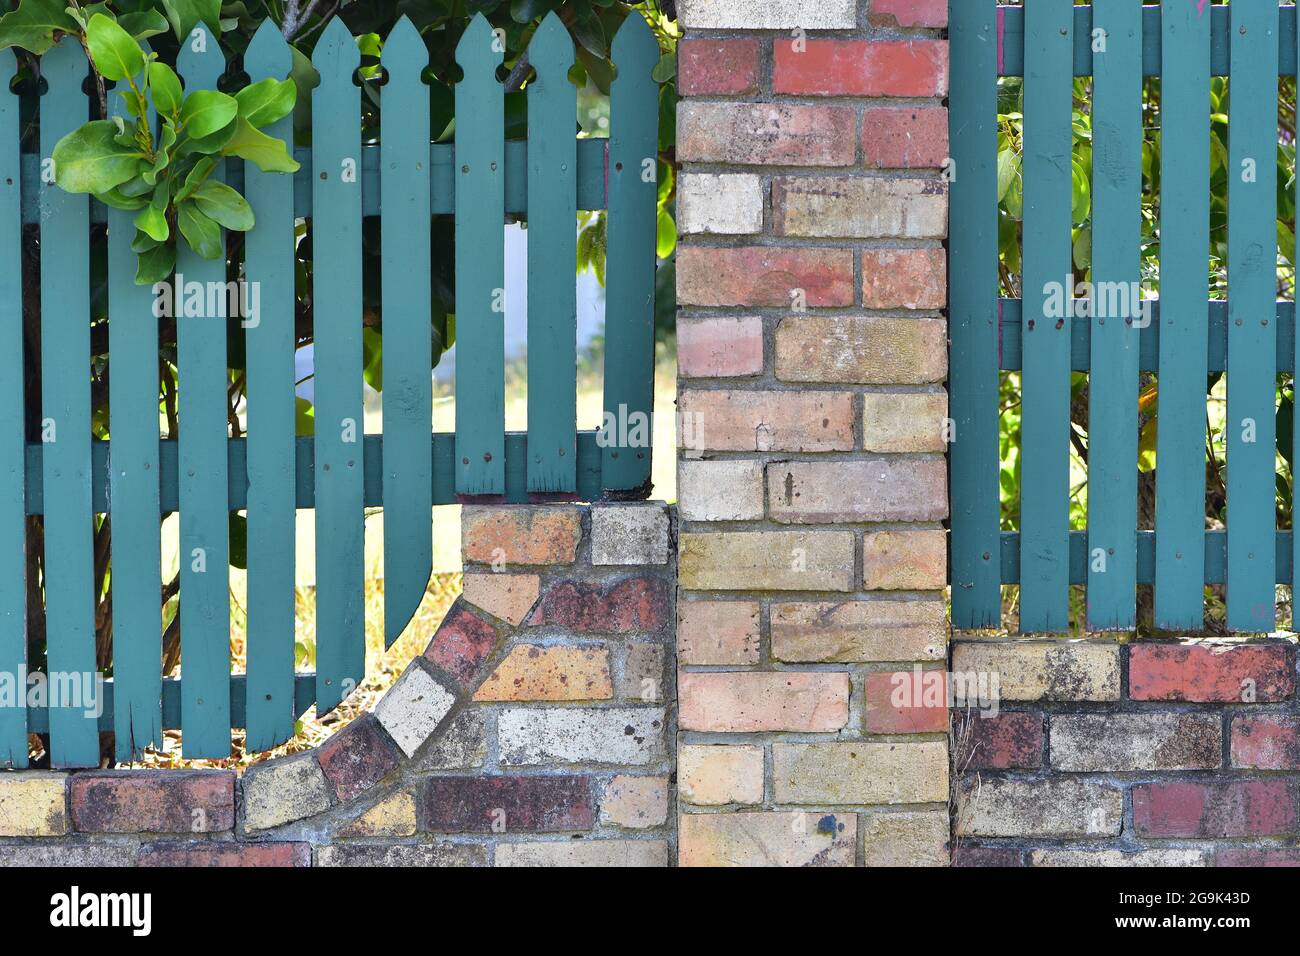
pixel 539 712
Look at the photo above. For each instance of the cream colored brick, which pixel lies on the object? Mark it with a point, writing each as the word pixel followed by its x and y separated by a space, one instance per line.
pixel 635 803
pixel 905 560
pixel 1059 809
pixel 768 560
pixel 856 772
pixel 717 632
pixel 776 838
pixel 719 203
pixel 33 804
pixel 599 853
pixel 720 490
pixel 1050 670
pixel 865 350
pixel 393 816
pixel 559 672
pixel 714 775
pixel 905 838
pixel 754 701
pixel 853 631
pixel 904 421
pixel 508 597
pixel 282 790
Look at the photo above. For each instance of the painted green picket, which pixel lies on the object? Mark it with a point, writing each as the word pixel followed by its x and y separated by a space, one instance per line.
pixel 13 507
pixel 133 492
pixel 630 262
pixel 1252 285
pixel 480 264
pixel 1184 320
pixel 269 349
pixel 337 388
pixel 552 245
pixel 408 333
pixel 65 416
pixel 973 361
pixel 1045 419
pixel 1116 258
pixel 204 513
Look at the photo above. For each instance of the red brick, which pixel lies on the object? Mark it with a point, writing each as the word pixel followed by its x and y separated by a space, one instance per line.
pixel 765 276
pixel 766 134
pixel 629 606
pixel 1203 672
pixel 720 347
pixel 1252 858
pixel 987 856
pixel 1215 810
pixel 906 702
pixel 1266 742
pixel 358 757
pixel 226 854
pixel 905 137
pixel 1007 741
pixel 508 804
pixel 720 67
pixel 904 278
pixel 908 13
pixel 862 68
pixel 154 801
pixel 462 644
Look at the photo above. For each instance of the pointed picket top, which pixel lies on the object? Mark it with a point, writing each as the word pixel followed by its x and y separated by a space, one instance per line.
pixel 336 54
pixel 404 49
pixel 551 49
pixel 200 60
pixel 635 50
pixel 477 49
pixel 268 54
pixel 64 64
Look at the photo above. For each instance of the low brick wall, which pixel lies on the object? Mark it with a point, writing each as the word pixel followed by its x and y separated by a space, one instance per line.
pixel 1151 753
pixel 536 729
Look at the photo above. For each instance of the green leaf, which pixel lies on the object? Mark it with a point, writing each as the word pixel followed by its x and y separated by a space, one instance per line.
pixel 665 69
pixel 207 145
pixel 33 25
pixel 115 51
pixel 118 200
pixel 165 86
pixel 162 156
pixel 206 112
pixel 219 202
pixel 155 264
pixel 90 160
pixel 270 154
pixel 266 101
pixel 143 242
pixel 238 541
pixel 202 233
pixel 146 23
pixel 526 11
pixel 666 235
pixel 183 15
pixel 196 177
pixel 304 417
pixel 152 220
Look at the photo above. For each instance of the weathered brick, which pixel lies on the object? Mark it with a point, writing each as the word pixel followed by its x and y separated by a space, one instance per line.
pixel 630 605
pixel 768 560
pixel 561 672
pixel 1266 741
pixel 707 67
pixel 765 134
pixel 628 736
pixel 710 775
pixel 719 347
pixel 720 490
pixel 1059 809
pixel 461 744
pixel 853 772
pixel 1231 856
pixel 770 276
pixel 566 853
pixel 861 350
pixel 905 838
pixel 723 204
pixel 733 420
pixel 282 790
pixel 904 421
pixel 775 838
pixel 225 854
pixel 508 804
pixel 880 489
pixel 904 560
pixel 906 702
pixel 642 679
pixel 1226 673
pixel 1116 858
pixel 904 279
pixel 462 643
pixel 770 15
pixel 908 13
pixel 1239 808
pixel 507 597
pixel 717 632
pixel 754 701
pixel 858 207
pixel 393 816
pixel 154 801
pixel 57 853
pixel 515 534
pixel 851 631
pixel 422 855
pixel 1004 741
pixel 909 137
pixel 1115 742
pixel 631 533
pixel 1043 670
pixel 635 803
pixel 358 757
pixel 982 856
pixel 413 708
pixel 33 804
pixel 861 68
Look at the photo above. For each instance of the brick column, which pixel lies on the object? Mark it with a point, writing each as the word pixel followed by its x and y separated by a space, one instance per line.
pixel 812 347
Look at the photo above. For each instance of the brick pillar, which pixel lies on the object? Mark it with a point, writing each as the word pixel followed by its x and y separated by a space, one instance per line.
pixel 812 346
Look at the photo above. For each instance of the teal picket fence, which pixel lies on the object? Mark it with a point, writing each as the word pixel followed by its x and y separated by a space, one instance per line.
pixel 1180 338
pixel 51 467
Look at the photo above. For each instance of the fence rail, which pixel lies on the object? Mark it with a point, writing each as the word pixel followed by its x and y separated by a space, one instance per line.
pixel 204 474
